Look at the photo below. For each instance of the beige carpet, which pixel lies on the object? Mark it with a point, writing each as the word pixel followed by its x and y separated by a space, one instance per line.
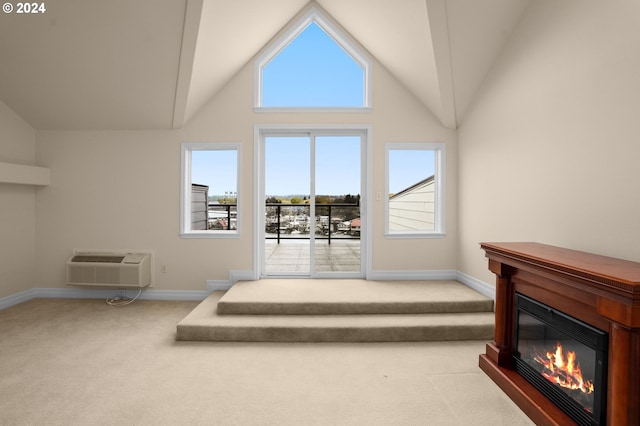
pixel 350 297
pixel 204 324
pixel 81 362
pixel 317 310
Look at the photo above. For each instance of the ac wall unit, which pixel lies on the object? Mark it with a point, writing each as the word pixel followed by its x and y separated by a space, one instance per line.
pixel 109 269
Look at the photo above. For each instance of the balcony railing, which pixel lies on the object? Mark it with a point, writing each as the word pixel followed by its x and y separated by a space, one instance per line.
pixel 332 221
pixel 338 221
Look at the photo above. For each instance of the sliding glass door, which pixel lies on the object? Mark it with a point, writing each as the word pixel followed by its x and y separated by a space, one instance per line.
pixel 312 185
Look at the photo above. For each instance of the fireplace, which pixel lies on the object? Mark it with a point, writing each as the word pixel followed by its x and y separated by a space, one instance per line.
pixel 562 357
pixel 554 306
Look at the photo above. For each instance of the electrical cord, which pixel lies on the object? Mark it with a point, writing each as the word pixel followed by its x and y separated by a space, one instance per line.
pixel 123 300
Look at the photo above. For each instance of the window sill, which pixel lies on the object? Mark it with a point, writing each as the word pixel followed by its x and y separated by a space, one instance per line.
pixel 357 110
pixel 210 234
pixel 408 235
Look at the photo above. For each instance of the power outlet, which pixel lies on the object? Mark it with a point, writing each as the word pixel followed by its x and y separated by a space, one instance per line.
pixel 163 269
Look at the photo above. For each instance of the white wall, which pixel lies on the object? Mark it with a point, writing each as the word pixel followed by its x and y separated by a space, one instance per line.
pixel 549 150
pixel 121 189
pixel 17 207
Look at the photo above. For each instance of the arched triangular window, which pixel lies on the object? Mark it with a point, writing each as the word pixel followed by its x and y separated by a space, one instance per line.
pixel 313 66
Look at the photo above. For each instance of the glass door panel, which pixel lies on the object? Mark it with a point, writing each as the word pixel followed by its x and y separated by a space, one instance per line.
pixel 287 194
pixel 337 188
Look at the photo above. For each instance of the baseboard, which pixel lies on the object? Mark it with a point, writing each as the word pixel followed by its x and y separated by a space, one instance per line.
pixel 91 293
pixel 234 276
pixel 215 285
pixel 147 294
pixel 186 295
pixel 476 284
pixel 14 299
pixel 239 275
pixel 242 275
pixel 445 274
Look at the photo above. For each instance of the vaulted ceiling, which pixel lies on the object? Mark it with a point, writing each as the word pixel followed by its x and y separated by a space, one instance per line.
pixel 153 64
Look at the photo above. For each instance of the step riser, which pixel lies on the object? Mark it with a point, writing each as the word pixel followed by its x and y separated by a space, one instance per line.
pixel 386 334
pixel 351 308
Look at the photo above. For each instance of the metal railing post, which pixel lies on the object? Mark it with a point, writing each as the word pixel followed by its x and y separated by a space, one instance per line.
pixel 278 211
pixel 329 233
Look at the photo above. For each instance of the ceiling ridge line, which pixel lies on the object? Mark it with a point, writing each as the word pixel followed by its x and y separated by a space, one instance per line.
pixel 441 42
pixel 188 46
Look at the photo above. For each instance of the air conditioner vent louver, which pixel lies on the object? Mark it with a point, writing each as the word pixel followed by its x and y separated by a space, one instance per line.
pixel 109 270
pixel 94 258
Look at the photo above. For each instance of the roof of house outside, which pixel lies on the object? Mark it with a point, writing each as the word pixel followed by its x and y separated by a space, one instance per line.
pixel 414 186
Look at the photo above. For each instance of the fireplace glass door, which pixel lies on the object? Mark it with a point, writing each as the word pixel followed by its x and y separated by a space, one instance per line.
pixel 563 358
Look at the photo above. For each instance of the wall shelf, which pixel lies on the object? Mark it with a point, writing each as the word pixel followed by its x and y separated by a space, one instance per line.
pixel 24 175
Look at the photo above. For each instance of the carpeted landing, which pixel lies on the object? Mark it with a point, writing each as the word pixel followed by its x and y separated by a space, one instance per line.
pixel 316 310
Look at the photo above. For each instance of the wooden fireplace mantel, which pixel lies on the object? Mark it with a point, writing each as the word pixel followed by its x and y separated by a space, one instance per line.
pixel 601 291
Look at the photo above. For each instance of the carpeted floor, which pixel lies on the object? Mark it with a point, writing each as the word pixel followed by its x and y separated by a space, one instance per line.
pixel 81 362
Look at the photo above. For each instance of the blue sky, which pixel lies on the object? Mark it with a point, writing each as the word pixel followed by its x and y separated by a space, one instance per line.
pixel 311 71
pixel 216 168
pixel 288 165
pixel 408 167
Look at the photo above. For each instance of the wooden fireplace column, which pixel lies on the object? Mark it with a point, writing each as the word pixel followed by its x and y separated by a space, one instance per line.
pixel 601 291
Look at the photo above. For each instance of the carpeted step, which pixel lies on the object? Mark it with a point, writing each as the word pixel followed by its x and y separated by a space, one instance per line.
pixel 348 296
pixel 203 324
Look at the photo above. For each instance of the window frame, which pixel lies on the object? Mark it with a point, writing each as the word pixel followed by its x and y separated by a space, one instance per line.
pixel 439 149
pixel 187 149
pixel 340 37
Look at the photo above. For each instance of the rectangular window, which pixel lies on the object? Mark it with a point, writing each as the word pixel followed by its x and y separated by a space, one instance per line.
pixel 414 193
pixel 209 202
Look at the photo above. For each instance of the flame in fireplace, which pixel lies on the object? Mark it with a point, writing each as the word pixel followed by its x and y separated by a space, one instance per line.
pixel 563 370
